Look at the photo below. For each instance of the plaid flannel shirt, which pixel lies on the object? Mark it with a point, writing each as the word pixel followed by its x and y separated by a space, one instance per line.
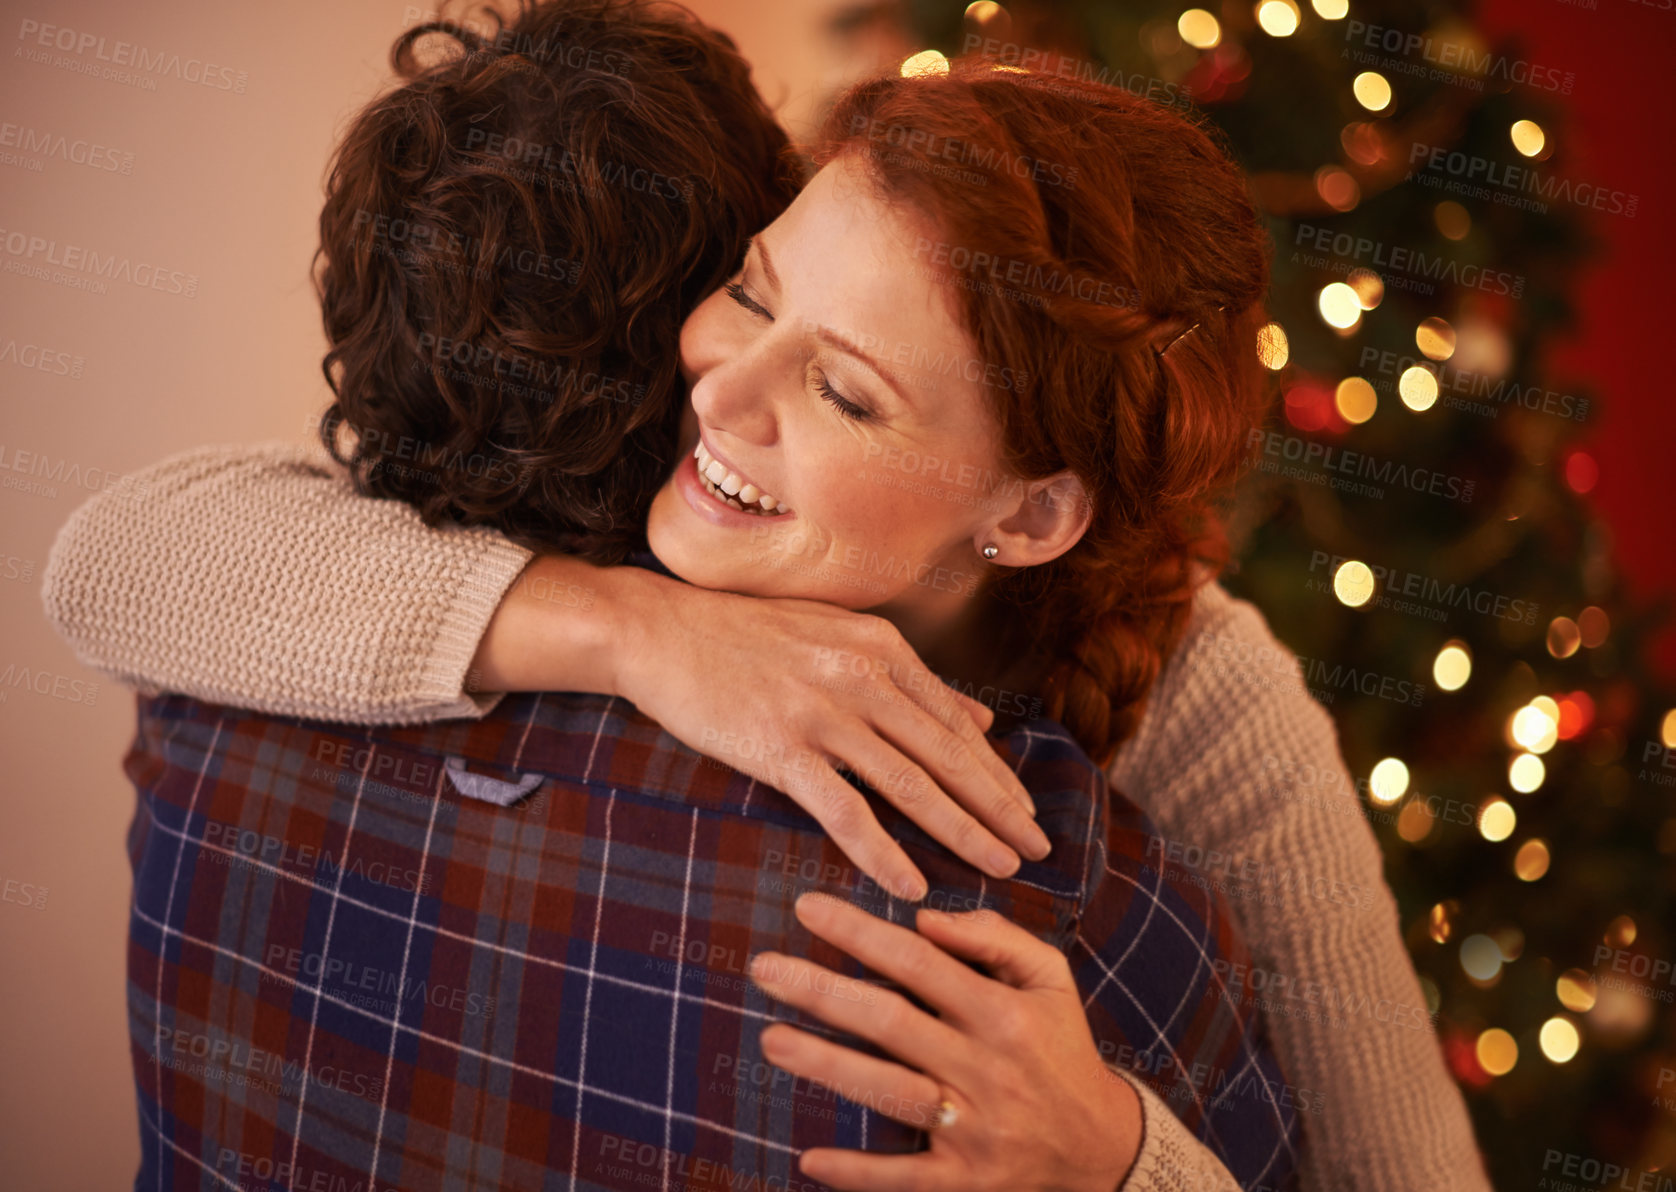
pixel 350 967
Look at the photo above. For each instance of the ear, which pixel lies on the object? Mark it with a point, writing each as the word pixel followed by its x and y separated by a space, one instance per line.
pixel 1051 517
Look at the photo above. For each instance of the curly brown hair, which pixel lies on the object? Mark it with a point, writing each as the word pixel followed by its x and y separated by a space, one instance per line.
pixel 510 241
pixel 1106 250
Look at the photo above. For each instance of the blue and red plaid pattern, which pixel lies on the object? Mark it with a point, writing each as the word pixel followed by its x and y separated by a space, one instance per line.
pixel 349 970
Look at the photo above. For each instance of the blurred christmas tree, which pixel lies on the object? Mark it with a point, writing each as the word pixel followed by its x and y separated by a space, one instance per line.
pixel 1412 525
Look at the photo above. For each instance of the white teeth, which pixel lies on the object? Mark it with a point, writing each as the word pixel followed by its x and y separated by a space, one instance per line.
pixel 730 487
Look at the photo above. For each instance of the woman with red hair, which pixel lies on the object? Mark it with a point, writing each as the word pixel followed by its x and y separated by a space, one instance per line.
pixel 964 411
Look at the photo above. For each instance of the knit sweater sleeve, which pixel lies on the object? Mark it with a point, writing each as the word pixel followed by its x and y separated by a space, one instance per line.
pixel 254 576
pixel 1240 766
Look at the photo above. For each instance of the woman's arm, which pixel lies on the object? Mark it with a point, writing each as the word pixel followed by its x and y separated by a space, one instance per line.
pixel 258 577
pixel 255 576
pixel 1235 757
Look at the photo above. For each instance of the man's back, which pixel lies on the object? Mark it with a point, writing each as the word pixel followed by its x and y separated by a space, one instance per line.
pixel 351 967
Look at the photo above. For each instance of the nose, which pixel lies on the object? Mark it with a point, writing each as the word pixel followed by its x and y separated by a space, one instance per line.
pixel 736 374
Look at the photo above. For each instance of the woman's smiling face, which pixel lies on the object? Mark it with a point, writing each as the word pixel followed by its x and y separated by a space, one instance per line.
pixel 831 393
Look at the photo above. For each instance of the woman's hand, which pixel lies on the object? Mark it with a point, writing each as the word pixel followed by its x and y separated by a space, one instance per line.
pixel 1033 1107
pixel 783 690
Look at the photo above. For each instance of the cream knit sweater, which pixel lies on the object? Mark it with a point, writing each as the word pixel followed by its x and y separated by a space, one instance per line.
pixel 256 577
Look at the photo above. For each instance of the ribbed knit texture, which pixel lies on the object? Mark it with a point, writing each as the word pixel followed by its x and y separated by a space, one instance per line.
pixel 256 577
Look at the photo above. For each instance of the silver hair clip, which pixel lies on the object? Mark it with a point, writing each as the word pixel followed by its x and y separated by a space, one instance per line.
pixel 1159 352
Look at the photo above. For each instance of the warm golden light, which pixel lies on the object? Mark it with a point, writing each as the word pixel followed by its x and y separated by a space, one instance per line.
pixel 1563 637
pixel 1480 957
pixel 1418 388
pixel 1453 666
pixel 1355 400
pixel 1372 91
pixel 1593 624
pixel 1528 137
pixel 1497 819
pixel 1199 29
pixel 1535 729
pixel 1353 583
pixel 1525 773
pixel 1576 990
pixel 1452 219
pixel 1340 306
pixel 1621 932
pixel 1387 781
pixel 1531 861
pixel 983 11
pixel 1331 10
pixel 1497 1052
pixel 1667 729
pixel 1337 188
pixel 926 62
pixel 1273 349
pixel 1278 18
pixel 1414 822
pixel 1559 1039
pixel 1440 922
pixel 1369 287
pixel 1436 338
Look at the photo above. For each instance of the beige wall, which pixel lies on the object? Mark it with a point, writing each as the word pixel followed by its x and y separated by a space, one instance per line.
pixel 222 187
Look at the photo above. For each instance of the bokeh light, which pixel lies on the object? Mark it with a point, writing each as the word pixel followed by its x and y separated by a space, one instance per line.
pixel 1531 861
pixel 1355 400
pixel 1340 305
pixel 1278 18
pixel 1528 137
pixel 926 62
pixel 1199 29
pixel 1559 1039
pixel 1525 773
pixel 1273 348
pixel 1453 666
pixel 1372 91
pixel 1353 583
pixel 1387 781
pixel 1497 819
pixel 1418 388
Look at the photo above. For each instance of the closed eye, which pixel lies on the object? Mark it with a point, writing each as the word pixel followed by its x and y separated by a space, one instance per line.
pixel 737 292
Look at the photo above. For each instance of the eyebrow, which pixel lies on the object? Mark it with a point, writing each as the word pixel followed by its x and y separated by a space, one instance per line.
pixel 827 334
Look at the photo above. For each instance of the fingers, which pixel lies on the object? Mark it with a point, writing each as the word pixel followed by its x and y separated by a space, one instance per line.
pixel 1007 950
pixel 912 791
pixel 952 711
pixel 841 810
pixel 880 1016
pixel 902 1094
pixel 911 960
pixel 972 773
